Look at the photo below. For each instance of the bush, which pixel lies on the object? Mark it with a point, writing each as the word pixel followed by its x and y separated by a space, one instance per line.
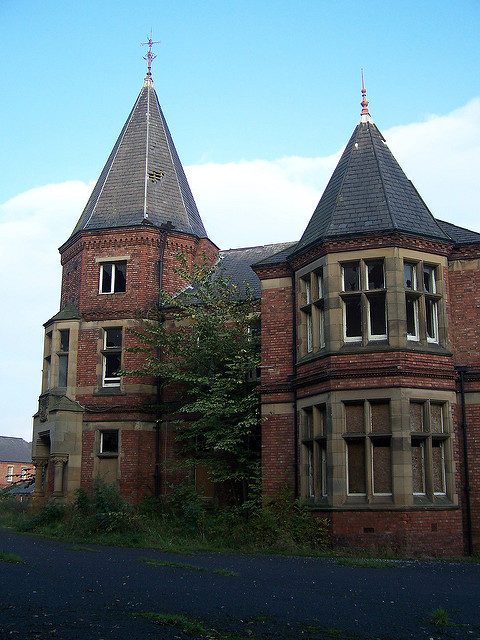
pixel 50 513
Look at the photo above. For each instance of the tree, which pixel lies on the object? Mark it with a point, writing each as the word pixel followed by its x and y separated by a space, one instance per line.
pixel 203 345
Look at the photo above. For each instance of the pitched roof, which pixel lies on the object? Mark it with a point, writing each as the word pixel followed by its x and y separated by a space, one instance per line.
pixel 237 264
pixel 143 181
pixel 15 450
pixel 459 235
pixel 369 192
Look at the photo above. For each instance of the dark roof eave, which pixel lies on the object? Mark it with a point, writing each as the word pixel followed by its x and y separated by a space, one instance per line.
pixel 81 232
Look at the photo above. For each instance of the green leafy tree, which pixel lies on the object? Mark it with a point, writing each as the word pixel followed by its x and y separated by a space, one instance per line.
pixel 203 346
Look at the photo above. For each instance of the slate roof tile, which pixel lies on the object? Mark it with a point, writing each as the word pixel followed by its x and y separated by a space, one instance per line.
pixel 15 449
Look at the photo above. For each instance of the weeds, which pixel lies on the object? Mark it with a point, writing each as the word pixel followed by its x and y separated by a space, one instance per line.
pixel 184 623
pixel 189 567
pixel 367 563
pixel 10 557
pixel 440 618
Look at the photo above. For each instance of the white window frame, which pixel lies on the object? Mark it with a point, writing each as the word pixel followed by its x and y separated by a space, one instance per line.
pixel 10 473
pixel 416 336
pixel 434 339
pixel 367 262
pixel 102 433
pixel 114 272
pixel 23 473
pixel 113 381
pixel 359 276
pixel 374 336
pixel 309 330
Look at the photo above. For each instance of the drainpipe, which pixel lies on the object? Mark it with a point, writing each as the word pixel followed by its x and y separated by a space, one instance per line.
pixel 294 363
pixel 461 371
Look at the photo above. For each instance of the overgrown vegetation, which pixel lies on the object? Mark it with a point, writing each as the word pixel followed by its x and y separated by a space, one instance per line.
pixel 202 346
pixel 10 557
pixel 179 525
pixel 440 618
pixel 189 567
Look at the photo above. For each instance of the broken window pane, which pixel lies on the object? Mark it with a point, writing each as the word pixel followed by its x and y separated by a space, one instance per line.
pixel 120 277
pixel 353 318
pixel 375 274
pixel 411 307
pixel 382 466
pixel 431 309
pixel 429 279
pixel 113 338
pixel 410 276
pixel 356 466
pixel 418 467
pixel 112 366
pixel 351 277
pixel 109 441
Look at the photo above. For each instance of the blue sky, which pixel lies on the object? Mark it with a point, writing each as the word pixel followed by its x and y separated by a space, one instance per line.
pixel 260 98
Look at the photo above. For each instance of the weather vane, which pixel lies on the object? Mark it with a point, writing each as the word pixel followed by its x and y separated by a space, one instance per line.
pixel 149 56
pixel 364 101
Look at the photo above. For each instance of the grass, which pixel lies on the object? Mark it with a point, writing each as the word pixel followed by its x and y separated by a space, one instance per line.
pixel 190 626
pixel 440 618
pixel 189 567
pixel 79 547
pixel 11 557
pixel 367 563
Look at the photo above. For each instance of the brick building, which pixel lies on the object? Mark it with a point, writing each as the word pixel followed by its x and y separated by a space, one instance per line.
pixel 370 361
pixel 15 460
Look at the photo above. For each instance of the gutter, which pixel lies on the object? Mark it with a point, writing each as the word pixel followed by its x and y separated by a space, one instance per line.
pixel 294 365
pixel 462 371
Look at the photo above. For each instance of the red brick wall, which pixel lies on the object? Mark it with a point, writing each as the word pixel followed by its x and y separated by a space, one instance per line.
pixel 17 470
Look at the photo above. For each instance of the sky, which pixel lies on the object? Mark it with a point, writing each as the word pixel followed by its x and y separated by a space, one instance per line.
pixel 260 97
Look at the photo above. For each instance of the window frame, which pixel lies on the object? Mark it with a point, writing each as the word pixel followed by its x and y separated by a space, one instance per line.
pixel 10 470
pixel 312 312
pixel 114 264
pixel 423 299
pixel 313 443
pixel 109 452
pixel 112 381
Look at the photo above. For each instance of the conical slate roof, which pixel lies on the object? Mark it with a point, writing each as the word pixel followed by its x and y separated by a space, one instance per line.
pixel 369 192
pixel 143 180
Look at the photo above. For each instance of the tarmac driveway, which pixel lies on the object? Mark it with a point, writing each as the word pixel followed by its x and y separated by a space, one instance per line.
pixel 92 593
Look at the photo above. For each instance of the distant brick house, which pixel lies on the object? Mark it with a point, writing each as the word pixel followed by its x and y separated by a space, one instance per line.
pixel 15 460
pixel 370 332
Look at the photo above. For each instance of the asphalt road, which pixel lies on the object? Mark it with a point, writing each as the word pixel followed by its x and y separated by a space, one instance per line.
pixel 69 593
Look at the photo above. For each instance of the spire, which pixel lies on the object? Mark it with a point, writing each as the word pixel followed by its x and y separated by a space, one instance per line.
pixel 143 181
pixel 365 114
pixel 369 193
pixel 149 57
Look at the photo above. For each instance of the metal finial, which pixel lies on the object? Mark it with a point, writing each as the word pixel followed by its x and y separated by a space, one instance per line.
pixel 149 56
pixel 364 101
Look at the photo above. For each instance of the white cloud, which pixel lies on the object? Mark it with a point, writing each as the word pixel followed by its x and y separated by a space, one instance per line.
pixel 242 203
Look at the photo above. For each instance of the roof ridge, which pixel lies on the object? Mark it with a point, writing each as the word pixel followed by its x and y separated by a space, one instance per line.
pixel 147 143
pixel 389 208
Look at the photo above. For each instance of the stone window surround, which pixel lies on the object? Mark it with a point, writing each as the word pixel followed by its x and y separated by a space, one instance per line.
pixel 394 258
pixel 401 461
pixel 312 314
pixel 420 297
pixel 103 352
pixel 52 350
pixel 109 260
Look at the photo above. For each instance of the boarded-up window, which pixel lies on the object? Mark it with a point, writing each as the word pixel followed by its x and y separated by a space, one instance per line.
pixel 436 418
pixel 438 462
pixel 354 418
pixel 382 466
pixel 380 417
pixel 416 416
pixel 418 467
pixel 356 466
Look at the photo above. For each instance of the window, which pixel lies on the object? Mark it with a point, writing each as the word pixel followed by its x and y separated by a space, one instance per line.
pixel 421 302
pixel 9 474
pixel 312 314
pixel 364 301
pixel 109 441
pixel 113 277
pixel 23 473
pixel 313 452
pixel 48 360
pixel 112 356
pixel 63 357
pixel 429 437
pixel 368 448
